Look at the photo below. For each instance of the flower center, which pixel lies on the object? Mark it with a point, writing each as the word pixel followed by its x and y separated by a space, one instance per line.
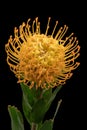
pixel 41 56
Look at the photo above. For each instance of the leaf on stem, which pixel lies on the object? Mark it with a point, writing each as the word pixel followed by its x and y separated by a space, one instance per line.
pixel 16 118
pixel 47 125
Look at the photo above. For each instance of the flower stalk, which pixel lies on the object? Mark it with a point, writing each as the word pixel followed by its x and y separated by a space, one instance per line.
pixel 34 126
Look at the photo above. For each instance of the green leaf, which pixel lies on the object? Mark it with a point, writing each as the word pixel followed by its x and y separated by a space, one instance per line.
pixel 39 108
pixel 47 125
pixel 39 126
pixel 27 101
pixel 52 97
pixel 16 118
pixel 47 94
pixel 36 102
pixel 38 111
pixel 42 105
pixel 30 97
pixel 27 95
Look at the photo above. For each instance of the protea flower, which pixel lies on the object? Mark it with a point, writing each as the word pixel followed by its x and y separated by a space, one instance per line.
pixel 39 59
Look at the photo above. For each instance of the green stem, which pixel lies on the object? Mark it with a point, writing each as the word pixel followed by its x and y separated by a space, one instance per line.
pixel 34 126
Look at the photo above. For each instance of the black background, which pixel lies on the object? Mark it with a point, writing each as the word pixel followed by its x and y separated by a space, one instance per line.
pixel 71 114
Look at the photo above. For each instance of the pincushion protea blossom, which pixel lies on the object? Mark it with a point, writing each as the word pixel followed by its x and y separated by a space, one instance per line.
pixel 39 59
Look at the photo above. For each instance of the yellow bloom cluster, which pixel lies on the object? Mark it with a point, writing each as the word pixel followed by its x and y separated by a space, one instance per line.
pixel 42 60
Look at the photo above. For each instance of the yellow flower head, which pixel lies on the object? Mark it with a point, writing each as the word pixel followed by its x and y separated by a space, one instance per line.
pixel 39 59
